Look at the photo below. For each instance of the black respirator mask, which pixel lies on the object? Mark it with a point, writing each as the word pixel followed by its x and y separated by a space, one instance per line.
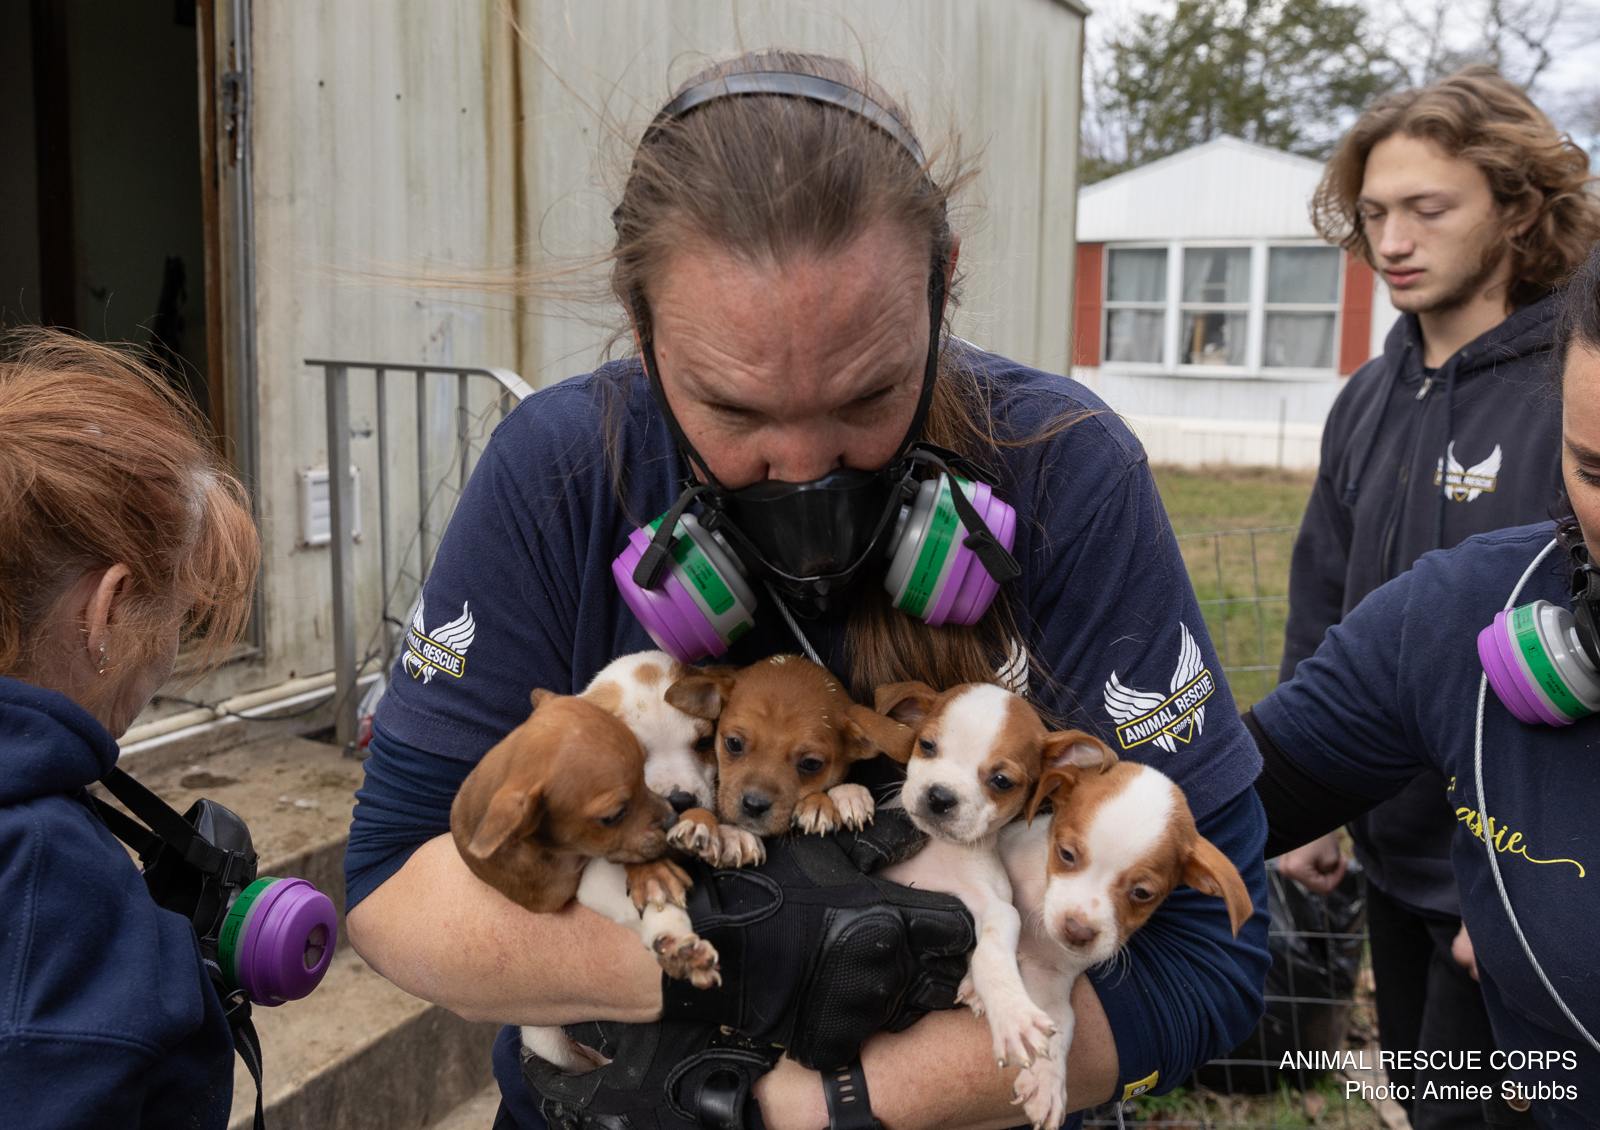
pixel 946 538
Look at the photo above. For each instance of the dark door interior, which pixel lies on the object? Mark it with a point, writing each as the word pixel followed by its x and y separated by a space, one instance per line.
pixel 102 225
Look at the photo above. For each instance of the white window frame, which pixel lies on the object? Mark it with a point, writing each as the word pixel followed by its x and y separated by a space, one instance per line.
pixel 1107 305
pixel 1256 311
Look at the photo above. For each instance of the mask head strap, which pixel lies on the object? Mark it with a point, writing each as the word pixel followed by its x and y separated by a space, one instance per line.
pixel 1585 590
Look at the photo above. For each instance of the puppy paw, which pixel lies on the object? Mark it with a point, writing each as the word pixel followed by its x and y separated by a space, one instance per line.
pixel 698 833
pixel 657 883
pixel 688 957
pixel 739 848
pixel 967 994
pixel 816 815
pixel 854 803
pixel 566 1055
pixel 1041 1091
pixel 1021 1033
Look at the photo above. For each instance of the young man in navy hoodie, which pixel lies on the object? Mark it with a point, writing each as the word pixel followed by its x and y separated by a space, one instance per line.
pixel 1473 209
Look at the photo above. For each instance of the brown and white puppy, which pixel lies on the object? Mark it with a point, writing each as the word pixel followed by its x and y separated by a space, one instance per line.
pixel 1117 844
pixel 979 750
pixel 679 762
pixel 787 734
pixel 549 814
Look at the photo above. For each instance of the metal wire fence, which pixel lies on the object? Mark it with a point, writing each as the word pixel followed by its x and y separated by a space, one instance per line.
pixel 1312 1059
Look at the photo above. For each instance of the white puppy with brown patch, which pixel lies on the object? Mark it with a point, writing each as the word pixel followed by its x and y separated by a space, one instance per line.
pixel 977 753
pixel 1117 843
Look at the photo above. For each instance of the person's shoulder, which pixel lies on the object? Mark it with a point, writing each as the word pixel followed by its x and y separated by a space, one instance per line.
pixel 94 957
pixel 1489 557
pixel 577 407
pixel 1063 414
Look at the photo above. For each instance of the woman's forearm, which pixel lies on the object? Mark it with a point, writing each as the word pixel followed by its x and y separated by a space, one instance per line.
pixel 940 1073
pixel 439 933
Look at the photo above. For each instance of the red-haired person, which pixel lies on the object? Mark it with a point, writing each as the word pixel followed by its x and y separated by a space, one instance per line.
pixel 120 534
pixel 1474 209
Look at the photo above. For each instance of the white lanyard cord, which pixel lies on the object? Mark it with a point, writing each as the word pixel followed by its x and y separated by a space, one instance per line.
pixel 1488 840
pixel 788 617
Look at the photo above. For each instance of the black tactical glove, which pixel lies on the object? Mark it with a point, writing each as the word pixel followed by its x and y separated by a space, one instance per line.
pixel 815 955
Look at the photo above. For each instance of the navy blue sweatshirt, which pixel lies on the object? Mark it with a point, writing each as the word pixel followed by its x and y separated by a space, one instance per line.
pixel 521 595
pixel 1414 461
pixel 108 1019
pixel 1394 689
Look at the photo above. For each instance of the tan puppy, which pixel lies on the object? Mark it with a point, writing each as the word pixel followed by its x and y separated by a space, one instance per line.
pixel 565 787
pixel 1117 844
pixel 786 736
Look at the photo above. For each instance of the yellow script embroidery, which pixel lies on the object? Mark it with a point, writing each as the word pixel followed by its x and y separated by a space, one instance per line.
pixel 1507 844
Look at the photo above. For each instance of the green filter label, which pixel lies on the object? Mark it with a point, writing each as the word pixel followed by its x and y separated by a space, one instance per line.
pixel 698 570
pixel 1540 667
pixel 942 528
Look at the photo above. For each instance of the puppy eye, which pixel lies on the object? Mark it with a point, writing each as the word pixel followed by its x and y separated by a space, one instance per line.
pixel 703 745
pixel 615 818
pixel 1141 894
pixel 1000 783
pixel 928 748
pixel 734 744
pixel 809 766
pixel 1067 857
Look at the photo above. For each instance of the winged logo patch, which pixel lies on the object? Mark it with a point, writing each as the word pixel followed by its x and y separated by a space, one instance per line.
pixel 444 649
pixel 1165 719
pixel 1463 484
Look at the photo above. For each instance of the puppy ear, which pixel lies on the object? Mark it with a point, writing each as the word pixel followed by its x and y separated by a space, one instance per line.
pixel 1074 747
pixel 1210 872
pixel 702 694
pixel 909 702
pixel 514 811
pixel 1056 781
pixel 540 696
pixel 868 733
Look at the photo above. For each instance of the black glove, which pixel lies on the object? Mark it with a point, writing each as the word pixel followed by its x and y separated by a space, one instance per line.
pixel 815 957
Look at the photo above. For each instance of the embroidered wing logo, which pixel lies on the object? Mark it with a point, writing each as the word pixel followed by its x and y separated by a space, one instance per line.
pixel 1463 484
pixel 1163 719
pixel 444 649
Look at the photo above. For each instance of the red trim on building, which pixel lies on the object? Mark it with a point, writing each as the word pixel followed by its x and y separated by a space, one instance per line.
pixel 1086 304
pixel 1355 338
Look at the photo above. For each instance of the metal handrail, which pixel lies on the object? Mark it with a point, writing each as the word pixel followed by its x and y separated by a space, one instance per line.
pixel 336 386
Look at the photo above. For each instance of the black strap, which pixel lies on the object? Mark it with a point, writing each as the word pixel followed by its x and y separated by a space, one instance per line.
pixel 980 539
pixel 237 1009
pixel 173 829
pixel 647 574
pixel 128 830
pixel 849 1106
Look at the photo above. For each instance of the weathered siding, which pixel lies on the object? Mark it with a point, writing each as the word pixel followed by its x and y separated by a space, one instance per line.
pixel 405 140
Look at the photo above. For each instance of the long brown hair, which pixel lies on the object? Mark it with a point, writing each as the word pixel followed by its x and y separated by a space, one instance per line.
pixel 102 463
pixel 1534 172
pixel 709 175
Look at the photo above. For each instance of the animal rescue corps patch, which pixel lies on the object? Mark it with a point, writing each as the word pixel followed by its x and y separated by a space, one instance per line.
pixel 443 649
pixel 1165 719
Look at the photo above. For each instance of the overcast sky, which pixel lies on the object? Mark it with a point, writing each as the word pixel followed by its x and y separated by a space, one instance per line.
pixel 1565 86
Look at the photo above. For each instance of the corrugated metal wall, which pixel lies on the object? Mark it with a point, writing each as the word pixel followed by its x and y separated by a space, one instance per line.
pixel 398 141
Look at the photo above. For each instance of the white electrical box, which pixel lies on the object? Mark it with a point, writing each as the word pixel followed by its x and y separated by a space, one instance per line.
pixel 316 507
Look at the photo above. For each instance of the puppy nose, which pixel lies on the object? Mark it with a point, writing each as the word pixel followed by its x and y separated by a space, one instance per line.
pixel 754 804
pixel 941 799
pixel 1077 933
pixel 681 801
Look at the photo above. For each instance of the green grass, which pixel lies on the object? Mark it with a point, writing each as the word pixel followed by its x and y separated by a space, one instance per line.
pixel 1241 579
pixel 1323 1104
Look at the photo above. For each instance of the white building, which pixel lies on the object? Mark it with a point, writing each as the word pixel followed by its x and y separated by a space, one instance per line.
pixel 1211 315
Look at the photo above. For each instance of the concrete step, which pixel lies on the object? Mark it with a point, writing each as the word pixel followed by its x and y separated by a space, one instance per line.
pixel 358 1053
pixel 477 1113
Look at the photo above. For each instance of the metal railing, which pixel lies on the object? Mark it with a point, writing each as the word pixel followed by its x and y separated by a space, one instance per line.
pixel 336 386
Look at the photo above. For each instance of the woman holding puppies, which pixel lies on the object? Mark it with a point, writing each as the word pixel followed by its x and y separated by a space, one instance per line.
pixel 785 258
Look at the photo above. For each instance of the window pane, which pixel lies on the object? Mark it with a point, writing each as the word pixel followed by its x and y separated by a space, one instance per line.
pixel 1303 274
pixel 1213 339
pixel 1298 341
pixel 1134 335
pixel 1137 275
pixel 1216 274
